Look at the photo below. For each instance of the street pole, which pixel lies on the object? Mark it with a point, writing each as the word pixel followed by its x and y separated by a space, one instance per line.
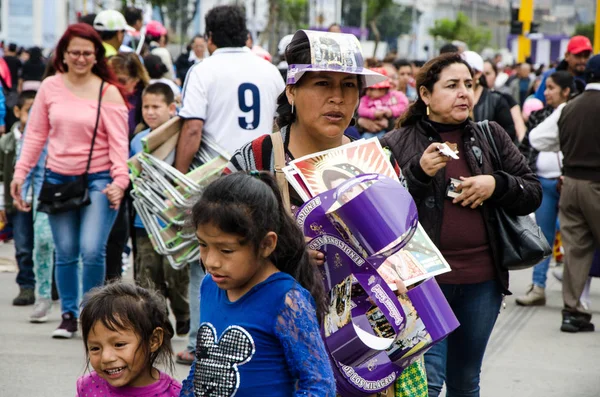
pixel 525 16
pixel 597 29
pixel 363 21
pixel 415 31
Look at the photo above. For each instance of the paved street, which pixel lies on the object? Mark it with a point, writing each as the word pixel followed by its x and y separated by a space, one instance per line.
pixel 527 357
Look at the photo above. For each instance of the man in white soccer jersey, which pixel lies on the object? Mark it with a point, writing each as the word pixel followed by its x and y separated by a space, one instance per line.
pixel 231 97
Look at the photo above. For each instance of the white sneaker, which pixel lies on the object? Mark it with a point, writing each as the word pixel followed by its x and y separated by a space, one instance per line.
pixel 558 274
pixel 42 308
pixel 67 327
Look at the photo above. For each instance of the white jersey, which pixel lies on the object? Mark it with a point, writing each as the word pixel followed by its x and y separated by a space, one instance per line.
pixel 235 92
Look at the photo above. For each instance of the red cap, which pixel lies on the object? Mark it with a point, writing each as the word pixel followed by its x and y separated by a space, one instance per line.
pixel 382 84
pixel 579 44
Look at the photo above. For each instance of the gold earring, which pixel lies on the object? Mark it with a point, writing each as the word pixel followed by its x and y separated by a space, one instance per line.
pixel 292 107
pixel 428 110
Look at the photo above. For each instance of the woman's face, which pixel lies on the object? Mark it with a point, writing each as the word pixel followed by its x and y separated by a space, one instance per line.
pixel 490 75
pixel 554 94
pixel 451 100
pixel 80 56
pixel 324 102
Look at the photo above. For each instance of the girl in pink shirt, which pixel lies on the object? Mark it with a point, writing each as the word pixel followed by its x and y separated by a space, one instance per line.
pixel 382 105
pixel 64 114
pixel 126 330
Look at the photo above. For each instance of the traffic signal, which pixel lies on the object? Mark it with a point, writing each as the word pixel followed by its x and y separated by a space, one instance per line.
pixel 516 28
pixel 514 14
pixel 535 27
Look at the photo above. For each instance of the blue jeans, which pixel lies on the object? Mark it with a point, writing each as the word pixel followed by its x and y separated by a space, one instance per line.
pixel 23 236
pixel 196 277
pixel 457 359
pixel 546 217
pixel 81 233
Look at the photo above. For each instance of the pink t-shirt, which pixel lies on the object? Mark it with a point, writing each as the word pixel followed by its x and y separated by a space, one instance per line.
pixel 92 385
pixel 67 122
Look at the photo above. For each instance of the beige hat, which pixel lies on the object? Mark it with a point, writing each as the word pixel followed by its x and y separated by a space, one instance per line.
pixel 111 21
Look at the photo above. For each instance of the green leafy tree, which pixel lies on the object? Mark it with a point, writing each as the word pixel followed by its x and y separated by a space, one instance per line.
pixel 295 14
pixel 585 29
pixel 461 29
pixel 374 11
pixel 391 23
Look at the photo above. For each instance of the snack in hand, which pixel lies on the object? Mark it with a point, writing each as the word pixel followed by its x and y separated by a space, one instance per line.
pixel 449 149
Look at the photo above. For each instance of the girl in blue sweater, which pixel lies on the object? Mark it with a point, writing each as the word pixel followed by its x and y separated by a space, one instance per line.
pixel 259 325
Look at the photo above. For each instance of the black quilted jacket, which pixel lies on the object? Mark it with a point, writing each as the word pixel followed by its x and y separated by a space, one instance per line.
pixel 518 190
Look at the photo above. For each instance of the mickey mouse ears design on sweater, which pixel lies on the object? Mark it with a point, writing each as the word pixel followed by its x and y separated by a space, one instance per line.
pixel 333 52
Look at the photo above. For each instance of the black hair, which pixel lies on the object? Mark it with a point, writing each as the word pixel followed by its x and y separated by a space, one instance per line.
pixel 132 15
pixel 226 26
pixel 125 306
pixel 35 55
pixel 418 63
pixel 493 65
pixel 155 66
pixel 297 53
pixel 191 43
pixel 197 36
pixel 88 19
pixel 448 48
pixel 250 207
pixel 160 89
pixel 564 79
pixel 107 35
pixel 427 77
pixel 24 96
pixel 400 63
pixel 12 47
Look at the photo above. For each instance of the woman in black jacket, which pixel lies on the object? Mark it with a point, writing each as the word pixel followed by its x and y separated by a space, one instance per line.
pixel 461 225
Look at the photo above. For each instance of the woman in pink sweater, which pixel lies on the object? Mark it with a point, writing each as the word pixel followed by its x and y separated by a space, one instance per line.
pixel 64 114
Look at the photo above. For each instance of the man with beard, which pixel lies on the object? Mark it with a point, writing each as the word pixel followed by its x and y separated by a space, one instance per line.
pixel 578 52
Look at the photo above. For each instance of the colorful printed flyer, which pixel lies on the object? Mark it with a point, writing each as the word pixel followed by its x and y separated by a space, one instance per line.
pixel 327 170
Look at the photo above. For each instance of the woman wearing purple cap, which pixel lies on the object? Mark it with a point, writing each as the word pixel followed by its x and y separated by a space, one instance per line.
pixel 456 199
pixel 314 111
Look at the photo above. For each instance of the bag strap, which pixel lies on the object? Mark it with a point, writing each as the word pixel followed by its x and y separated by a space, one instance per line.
pixel 485 128
pixel 279 157
pixel 87 168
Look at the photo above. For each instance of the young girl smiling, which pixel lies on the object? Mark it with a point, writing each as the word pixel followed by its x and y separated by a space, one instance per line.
pixel 125 331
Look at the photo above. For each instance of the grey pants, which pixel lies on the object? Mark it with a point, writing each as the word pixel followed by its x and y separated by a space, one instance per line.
pixel 579 214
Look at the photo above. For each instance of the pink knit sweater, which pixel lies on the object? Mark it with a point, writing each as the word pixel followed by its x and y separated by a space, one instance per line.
pixel 67 122
pixel 394 100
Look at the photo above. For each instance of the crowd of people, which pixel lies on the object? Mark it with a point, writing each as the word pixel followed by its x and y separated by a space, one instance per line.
pixel 73 119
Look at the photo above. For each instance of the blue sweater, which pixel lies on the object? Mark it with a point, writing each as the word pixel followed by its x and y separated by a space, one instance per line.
pixel 267 343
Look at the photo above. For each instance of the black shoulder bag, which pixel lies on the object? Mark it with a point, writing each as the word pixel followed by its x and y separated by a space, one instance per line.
pixel 58 198
pixel 522 242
